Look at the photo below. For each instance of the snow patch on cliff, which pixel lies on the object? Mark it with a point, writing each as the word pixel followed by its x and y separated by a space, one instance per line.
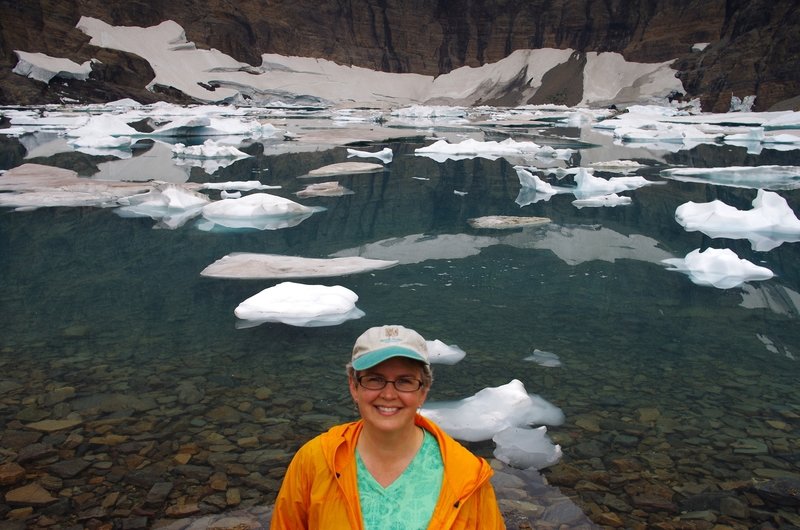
pixel 211 76
pixel 43 67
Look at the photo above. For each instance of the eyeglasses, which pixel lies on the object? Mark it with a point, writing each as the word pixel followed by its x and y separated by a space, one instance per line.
pixel 378 382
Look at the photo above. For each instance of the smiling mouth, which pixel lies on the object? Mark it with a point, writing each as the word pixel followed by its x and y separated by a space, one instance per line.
pixel 387 410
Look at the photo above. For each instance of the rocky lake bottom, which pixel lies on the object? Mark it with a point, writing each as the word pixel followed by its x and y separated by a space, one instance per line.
pixel 116 443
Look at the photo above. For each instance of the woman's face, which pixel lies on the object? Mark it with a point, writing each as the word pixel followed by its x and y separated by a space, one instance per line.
pixel 388 409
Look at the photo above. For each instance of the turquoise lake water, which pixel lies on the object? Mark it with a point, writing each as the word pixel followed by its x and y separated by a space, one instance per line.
pixel 83 288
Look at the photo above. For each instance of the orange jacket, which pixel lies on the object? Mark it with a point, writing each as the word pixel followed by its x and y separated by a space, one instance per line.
pixel 320 491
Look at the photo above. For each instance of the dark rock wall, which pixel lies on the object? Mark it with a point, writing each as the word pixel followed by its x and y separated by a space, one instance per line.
pixel 754 46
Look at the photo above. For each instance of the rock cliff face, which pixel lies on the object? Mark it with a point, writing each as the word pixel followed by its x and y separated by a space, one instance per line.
pixel 753 44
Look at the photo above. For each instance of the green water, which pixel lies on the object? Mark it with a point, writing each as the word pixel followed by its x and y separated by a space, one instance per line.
pixel 99 302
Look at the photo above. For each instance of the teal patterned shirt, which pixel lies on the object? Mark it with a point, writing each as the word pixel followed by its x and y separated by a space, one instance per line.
pixel 408 502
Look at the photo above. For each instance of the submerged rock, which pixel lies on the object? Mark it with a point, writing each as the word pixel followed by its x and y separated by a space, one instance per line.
pixel 783 491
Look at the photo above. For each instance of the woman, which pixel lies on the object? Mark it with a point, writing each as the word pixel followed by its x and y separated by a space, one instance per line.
pixel 392 469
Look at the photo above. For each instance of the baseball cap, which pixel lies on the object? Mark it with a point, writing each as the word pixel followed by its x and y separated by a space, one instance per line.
pixel 384 342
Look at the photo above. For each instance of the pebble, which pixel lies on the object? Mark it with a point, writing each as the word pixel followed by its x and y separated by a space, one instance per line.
pixel 11 473
pixel 30 494
pixel 210 452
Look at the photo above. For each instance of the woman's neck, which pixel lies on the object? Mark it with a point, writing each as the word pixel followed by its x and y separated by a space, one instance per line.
pixel 387 454
pixel 390 442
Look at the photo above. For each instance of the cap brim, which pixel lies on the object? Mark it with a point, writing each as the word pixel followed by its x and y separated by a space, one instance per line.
pixel 375 357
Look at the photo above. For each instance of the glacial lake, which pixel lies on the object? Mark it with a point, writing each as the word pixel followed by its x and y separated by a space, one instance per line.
pixel 705 377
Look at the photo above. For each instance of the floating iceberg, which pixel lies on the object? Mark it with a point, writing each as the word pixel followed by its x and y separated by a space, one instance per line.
pixel 441 353
pixel 184 126
pixel 770 223
pixel 430 111
pixel 238 185
pixel 755 177
pixel 385 155
pixel 491 410
pixel 442 150
pixel 602 200
pixel 259 210
pixel 617 166
pixel 245 265
pixel 299 305
pixel 720 268
pixel 526 448
pixel 209 149
pixel 170 204
pixel 544 358
pixel 344 168
pixel 590 186
pixel 532 182
pixel 103 125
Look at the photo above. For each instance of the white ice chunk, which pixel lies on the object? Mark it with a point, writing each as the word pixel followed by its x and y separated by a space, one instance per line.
pixel 385 155
pixel 103 125
pixel 238 185
pixel 778 120
pixel 184 126
pixel 526 448
pixel 770 223
pixel 720 268
pixel 441 353
pixel 245 265
pixel 611 200
pixel 783 138
pixel 544 358
pixel 344 168
pixel 753 134
pixel 209 149
pixel 170 204
pixel 530 181
pixel 491 410
pixel 755 177
pixel 236 127
pixel 124 103
pixel 430 111
pixel 744 104
pixel 259 210
pixel 442 150
pixel 300 305
pixel 617 166
pixel 589 186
